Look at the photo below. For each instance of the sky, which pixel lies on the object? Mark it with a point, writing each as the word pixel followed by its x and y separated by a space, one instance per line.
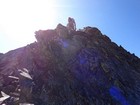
pixel 118 19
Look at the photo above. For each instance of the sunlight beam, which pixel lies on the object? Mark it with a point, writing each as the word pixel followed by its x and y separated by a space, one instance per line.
pixel 21 18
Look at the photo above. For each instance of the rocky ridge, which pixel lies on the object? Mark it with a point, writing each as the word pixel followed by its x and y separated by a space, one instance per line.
pixel 83 67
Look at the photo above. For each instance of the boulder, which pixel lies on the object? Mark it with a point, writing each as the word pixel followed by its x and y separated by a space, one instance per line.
pixel 62 31
pixel 92 30
pixel 45 35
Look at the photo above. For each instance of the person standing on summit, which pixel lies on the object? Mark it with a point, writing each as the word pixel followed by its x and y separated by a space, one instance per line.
pixel 71 24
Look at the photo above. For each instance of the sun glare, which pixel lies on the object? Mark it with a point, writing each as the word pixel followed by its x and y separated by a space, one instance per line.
pixel 20 18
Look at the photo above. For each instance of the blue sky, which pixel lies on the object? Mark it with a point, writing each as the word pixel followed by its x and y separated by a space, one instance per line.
pixel 118 19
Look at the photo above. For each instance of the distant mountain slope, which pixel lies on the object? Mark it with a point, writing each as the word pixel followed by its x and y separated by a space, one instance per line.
pixel 70 68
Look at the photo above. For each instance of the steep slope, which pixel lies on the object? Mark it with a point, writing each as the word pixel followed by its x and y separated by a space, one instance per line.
pixel 70 68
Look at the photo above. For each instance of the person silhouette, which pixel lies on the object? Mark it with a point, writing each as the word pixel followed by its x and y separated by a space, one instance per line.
pixel 71 24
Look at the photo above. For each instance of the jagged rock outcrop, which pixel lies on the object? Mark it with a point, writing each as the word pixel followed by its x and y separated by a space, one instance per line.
pixel 79 68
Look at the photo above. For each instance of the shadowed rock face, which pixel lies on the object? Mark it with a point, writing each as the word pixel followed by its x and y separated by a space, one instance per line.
pixel 78 68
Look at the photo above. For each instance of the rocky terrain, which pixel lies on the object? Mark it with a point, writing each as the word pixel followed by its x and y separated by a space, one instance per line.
pixel 81 67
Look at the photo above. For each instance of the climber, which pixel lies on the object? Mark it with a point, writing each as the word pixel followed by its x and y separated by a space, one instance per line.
pixel 71 24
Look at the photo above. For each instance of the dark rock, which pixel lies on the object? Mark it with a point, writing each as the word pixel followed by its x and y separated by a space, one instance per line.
pixel 79 68
pixel 92 30
pixel 1 54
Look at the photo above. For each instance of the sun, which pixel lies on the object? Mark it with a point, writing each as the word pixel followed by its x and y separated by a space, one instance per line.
pixel 21 18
